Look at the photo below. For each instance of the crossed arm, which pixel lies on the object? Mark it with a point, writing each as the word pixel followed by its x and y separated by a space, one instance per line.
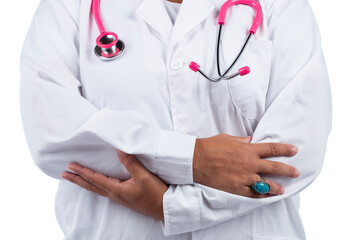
pixel 144 191
pixel 298 112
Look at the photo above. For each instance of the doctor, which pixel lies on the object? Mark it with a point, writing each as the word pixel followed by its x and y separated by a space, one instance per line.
pixel 170 125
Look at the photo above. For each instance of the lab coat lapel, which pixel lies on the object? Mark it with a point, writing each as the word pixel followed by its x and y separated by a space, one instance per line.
pixel 192 13
pixel 154 13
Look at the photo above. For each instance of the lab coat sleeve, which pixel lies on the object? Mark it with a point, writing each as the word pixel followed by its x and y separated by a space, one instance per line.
pixel 61 126
pixel 298 112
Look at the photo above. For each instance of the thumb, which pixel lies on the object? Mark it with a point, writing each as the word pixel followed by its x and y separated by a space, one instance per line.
pixel 131 163
pixel 244 139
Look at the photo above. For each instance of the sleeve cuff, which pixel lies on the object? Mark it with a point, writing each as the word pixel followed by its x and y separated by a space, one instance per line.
pixel 174 156
pixel 181 211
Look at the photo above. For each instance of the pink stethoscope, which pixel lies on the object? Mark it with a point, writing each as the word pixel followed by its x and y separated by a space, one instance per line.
pixel 109 46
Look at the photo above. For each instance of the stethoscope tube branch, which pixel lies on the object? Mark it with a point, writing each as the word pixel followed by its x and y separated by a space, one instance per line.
pixel 209 78
pixel 217 79
pixel 218 50
pixel 223 76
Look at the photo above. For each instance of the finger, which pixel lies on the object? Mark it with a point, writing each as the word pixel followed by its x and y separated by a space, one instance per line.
pixel 132 165
pixel 275 189
pixel 104 182
pixel 78 180
pixel 265 150
pixel 277 168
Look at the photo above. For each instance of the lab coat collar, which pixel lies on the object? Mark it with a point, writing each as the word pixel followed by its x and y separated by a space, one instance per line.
pixel 192 13
pixel 154 13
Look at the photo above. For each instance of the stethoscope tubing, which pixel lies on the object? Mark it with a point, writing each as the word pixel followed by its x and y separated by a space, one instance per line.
pixel 221 21
pixel 223 76
pixel 97 16
pixel 109 47
pixel 237 57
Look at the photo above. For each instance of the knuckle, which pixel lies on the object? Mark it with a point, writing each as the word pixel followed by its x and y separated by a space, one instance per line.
pixel 276 167
pixel 237 184
pixel 91 178
pixel 92 182
pixel 90 188
pixel 96 175
pixel 223 135
pixel 274 149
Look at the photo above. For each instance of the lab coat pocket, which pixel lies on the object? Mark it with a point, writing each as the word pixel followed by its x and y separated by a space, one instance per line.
pixel 274 238
pixel 248 93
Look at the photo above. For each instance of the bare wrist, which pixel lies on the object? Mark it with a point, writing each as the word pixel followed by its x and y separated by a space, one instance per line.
pixel 197 160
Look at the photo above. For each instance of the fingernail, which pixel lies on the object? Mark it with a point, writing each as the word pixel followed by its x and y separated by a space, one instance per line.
pixel 297 173
pixel 294 150
pixel 282 191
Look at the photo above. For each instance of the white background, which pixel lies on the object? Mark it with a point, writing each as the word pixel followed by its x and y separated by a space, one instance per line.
pixel 330 206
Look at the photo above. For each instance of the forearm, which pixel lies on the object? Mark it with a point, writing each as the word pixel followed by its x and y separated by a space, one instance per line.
pixel 62 126
pixel 298 112
pixel 190 208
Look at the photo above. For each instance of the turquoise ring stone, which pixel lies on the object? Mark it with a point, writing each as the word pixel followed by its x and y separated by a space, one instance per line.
pixel 261 187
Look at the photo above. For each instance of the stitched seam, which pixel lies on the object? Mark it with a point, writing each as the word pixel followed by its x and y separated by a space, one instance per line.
pixel 157 147
pixel 169 217
pixel 198 201
pixel 190 165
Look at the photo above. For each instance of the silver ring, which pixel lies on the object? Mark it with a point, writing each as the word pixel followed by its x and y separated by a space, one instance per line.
pixel 261 186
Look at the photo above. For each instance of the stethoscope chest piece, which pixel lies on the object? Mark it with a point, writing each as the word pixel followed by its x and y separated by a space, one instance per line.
pixel 108 46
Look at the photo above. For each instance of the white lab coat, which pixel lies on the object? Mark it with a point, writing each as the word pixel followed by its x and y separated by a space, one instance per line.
pixel 78 108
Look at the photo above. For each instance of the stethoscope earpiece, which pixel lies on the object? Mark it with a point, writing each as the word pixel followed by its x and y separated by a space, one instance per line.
pixel 108 46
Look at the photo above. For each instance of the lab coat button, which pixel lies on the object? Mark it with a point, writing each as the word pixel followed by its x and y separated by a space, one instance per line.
pixel 177 64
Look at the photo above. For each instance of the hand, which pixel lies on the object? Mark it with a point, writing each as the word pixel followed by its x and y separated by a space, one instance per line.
pixel 143 192
pixel 232 164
